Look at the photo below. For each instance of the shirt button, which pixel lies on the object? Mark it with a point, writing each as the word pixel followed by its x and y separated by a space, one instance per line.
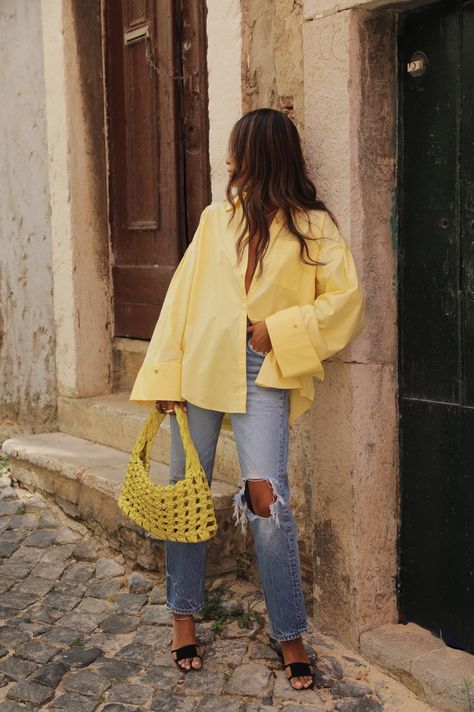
pixel 155 370
pixel 295 326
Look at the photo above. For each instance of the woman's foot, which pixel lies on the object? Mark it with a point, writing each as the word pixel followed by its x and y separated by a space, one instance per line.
pixel 184 634
pixel 294 651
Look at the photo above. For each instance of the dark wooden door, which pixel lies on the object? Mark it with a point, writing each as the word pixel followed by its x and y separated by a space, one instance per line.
pixel 159 177
pixel 436 319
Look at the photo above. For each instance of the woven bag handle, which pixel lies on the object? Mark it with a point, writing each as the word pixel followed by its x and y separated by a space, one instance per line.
pixel 192 458
pixel 147 437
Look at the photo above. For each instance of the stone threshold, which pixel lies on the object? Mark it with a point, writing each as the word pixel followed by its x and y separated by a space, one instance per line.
pixel 438 674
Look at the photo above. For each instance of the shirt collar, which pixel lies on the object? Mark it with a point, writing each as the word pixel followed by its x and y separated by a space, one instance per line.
pixel 277 220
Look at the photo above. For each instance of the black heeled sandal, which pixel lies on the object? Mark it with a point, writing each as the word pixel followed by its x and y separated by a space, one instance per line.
pixel 187 651
pixel 298 669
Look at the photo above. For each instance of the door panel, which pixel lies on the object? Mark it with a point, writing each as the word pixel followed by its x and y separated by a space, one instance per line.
pixel 430 255
pixel 467 199
pixel 436 320
pixel 157 148
pixel 141 140
pixel 431 540
pixel 467 236
pixel 145 210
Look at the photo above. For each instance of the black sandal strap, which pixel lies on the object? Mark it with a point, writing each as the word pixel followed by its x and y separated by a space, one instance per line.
pixel 186 651
pixel 299 669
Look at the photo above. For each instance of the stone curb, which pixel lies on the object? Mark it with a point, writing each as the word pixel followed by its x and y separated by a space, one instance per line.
pixel 441 675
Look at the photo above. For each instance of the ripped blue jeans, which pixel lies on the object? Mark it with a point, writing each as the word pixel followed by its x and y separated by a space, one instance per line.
pixel 261 436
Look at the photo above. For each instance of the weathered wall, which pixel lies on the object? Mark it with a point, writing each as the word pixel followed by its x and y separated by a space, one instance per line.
pixel 272 56
pixel 224 86
pixel 77 178
pixel 320 8
pixel 350 148
pixel 27 341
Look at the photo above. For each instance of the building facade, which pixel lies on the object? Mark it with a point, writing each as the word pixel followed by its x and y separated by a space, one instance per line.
pixel 116 124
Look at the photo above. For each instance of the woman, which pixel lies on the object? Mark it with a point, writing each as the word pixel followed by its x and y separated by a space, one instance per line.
pixel 266 290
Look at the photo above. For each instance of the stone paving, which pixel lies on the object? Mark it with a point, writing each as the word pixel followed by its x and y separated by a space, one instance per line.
pixel 79 632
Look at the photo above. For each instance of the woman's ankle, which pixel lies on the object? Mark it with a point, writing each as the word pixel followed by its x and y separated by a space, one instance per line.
pixel 293 641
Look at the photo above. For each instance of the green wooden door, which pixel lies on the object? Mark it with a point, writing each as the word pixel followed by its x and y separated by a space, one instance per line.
pixel 436 319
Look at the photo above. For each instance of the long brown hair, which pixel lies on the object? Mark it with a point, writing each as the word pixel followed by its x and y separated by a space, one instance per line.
pixel 269 173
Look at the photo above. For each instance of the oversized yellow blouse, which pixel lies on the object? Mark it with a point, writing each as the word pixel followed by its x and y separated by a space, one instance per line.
pixel 197 351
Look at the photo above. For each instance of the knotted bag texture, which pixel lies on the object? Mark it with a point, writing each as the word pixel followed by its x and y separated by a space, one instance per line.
pixel 182 511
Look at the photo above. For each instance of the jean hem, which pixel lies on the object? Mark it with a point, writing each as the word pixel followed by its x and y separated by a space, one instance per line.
pixel 183 610
pixel 290 636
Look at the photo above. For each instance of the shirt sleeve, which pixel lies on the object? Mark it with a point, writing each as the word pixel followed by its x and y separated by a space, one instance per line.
pixel 159 377
pixel 303 336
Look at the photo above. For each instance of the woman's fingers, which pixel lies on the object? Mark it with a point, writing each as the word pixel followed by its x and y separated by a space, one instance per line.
pixel 163 406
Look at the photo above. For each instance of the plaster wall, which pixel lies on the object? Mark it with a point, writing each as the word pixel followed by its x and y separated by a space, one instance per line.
pixel 27 339
pixel 224 84
pixel 350 134
pixel 74 104
pixel 272 57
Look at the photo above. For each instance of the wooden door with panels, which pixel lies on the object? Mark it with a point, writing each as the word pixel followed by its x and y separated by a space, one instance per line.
pixel 159 175
pixel 436 319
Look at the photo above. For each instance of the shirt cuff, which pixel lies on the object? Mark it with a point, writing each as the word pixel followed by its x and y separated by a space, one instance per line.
pixel 294 351
pixel 157 381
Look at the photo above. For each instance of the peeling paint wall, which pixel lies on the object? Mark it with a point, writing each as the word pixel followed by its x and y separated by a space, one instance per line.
pixel 27 334
pixel 77 179
pixel 272 56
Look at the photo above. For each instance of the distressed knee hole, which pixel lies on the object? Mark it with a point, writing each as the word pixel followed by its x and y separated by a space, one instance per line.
pixel 259 496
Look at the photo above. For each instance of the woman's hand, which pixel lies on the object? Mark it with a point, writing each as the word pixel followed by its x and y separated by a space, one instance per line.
pixel 163 405
pixel 260 339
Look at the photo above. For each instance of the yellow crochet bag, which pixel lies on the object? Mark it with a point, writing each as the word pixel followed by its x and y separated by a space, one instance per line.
pixel 183 511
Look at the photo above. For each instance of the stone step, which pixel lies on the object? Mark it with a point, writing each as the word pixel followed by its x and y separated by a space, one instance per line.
pixel 85 478
pixel 114 421
pixel 438 674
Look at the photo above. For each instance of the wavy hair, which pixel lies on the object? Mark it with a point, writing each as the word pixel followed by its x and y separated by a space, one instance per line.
pixel 269 173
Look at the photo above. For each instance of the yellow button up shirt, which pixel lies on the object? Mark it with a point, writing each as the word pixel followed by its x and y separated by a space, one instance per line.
pixel 197 351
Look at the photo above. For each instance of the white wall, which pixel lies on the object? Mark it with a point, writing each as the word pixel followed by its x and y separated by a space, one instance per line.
pixel 27 363
pixel 225 86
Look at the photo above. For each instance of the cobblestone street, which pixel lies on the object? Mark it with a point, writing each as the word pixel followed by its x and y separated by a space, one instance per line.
pixel 80 632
